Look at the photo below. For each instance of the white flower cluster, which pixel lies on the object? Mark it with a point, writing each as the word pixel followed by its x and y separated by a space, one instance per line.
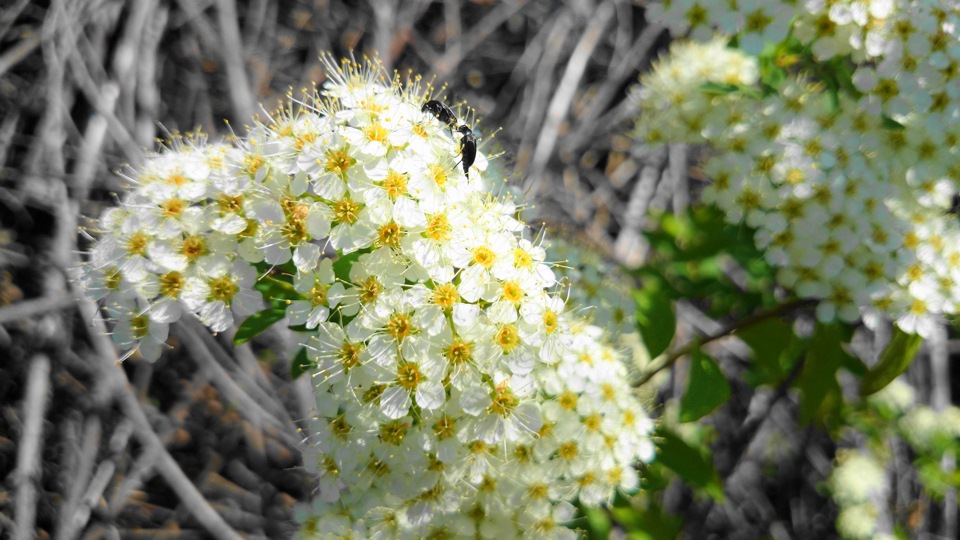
pixel 830 27
pixel 850 185
pixel 456 394
pixel 858 483
pixel 591 280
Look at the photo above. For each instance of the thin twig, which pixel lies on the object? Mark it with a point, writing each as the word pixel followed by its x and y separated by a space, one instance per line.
pixel 563 96
pixel 18 52
pixel 472 39
pixel 537 98
pixel 670 357
pixel 231 391
pixel 270 401
pixel 677 168
pixel 232 48
pixel 71 518
pixel 29 451
pixel 34 307
pixel 112 376
pixel 617 75
pixel 940 400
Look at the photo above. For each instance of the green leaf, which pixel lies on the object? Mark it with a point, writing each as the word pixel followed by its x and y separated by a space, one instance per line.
pixel 276 291
pixel 656 320
pixel 598 523
pixel 301 364
pixel 694 236
pixel 272 287
pixel 774 345
pixel 255 324
pixel 688 463
pixel 890 123
pixel 853 365
pixel 718 88
pixel 650 523
pixel 896 358
pixel 820 394
pixel 707 388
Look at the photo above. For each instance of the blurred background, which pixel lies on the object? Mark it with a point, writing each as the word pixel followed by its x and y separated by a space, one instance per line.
pixel 203 443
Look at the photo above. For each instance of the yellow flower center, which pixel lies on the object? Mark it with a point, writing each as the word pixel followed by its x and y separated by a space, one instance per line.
pixel 567 400
pixel 140 325
pixel 230 205
pixel 252 163
pixel 350 355
pixel 538 491
pixel 112 278
pixel 507 337
pixel 512 292
pixel 568 450
pixel 522 453
pixel 137 244
pixel 395 185
pixel 459 353
pixel 444 428
pixel 304 140
pixel 550 321
pixel 338 161
pixel 373 393
pixel 375 132
pixel 177 179
pixel 193 247
pixel 171 284
pixel 438 228
pixel 390 234
pixel 318 294
pixel 504 401
pixel 446 295
pixel 347 211
pixel 439 174
pixel 522 259
pixel 370 288
pixel 222 288
pixel 173 207
pixel 394 432
pixel 484 256
pixel 399 326
pixel 408 375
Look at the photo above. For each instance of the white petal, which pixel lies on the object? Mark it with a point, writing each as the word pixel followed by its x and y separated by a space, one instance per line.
pixel 318 222
pixel 521 363
pixel 430 395
pixel 464 315
pixel 267 211
pixel 475 400
pixel 395 402
pixel 527 415
pixel 216 315
pixel 408 214
pixel 305 257
pixel 229 224
pixel 167 310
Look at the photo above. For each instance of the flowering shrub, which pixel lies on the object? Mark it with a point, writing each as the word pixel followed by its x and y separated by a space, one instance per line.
pixel 831 128
pixel 455 392
pixel 861 482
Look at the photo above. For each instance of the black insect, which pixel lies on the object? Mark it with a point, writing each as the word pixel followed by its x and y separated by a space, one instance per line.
pixel 441 111
pixel 468 147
